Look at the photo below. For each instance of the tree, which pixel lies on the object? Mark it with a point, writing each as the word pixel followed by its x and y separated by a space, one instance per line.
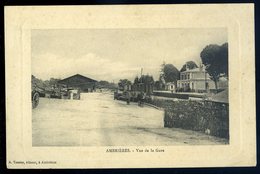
pixel 136 81
pixel 223 55
pixel 147 79
pixel 54 81
pixel 190 65
pixel 123 82
pixel 106 84
pixel 161 77
pixel 157 85
pixel 103 83
pixel 146 82
pixel 215 58
pixel 169 73
pixel 37 82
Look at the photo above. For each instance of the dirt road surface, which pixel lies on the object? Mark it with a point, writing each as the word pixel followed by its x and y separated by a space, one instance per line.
pixel 98 120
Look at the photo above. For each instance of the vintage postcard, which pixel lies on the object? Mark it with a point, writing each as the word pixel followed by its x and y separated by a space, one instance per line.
pixel 130 86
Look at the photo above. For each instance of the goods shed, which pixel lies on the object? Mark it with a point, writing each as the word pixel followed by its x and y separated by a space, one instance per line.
pixel 84 84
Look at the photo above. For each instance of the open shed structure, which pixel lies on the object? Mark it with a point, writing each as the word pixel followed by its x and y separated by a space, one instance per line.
pixel 80 82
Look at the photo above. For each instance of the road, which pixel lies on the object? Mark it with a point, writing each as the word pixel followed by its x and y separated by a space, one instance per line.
pixel 98 120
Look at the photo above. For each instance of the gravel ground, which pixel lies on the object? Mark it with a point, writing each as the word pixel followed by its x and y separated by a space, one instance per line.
pixel 98 120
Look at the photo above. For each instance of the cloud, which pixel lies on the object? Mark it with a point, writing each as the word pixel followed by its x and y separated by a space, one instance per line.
pixel 112 54
pixel 49 65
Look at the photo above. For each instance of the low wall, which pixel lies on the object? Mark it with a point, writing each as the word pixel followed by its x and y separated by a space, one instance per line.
pixel 171 95
pixel 204 116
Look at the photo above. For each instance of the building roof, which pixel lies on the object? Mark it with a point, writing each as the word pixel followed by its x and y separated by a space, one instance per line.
pixel 195 70
pixel 221 97
pixel 81 77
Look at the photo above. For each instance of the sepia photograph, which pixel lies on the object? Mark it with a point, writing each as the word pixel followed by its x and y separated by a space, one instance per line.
pixel 114 87
pixel 130 86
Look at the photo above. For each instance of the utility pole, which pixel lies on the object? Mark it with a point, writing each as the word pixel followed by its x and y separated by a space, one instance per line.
pixel 141 79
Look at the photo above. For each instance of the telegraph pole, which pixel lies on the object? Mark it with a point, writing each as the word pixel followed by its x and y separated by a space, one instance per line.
pixel 141 79
pixel 205 79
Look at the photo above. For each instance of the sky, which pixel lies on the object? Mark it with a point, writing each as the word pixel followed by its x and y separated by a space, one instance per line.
pixel 113 54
